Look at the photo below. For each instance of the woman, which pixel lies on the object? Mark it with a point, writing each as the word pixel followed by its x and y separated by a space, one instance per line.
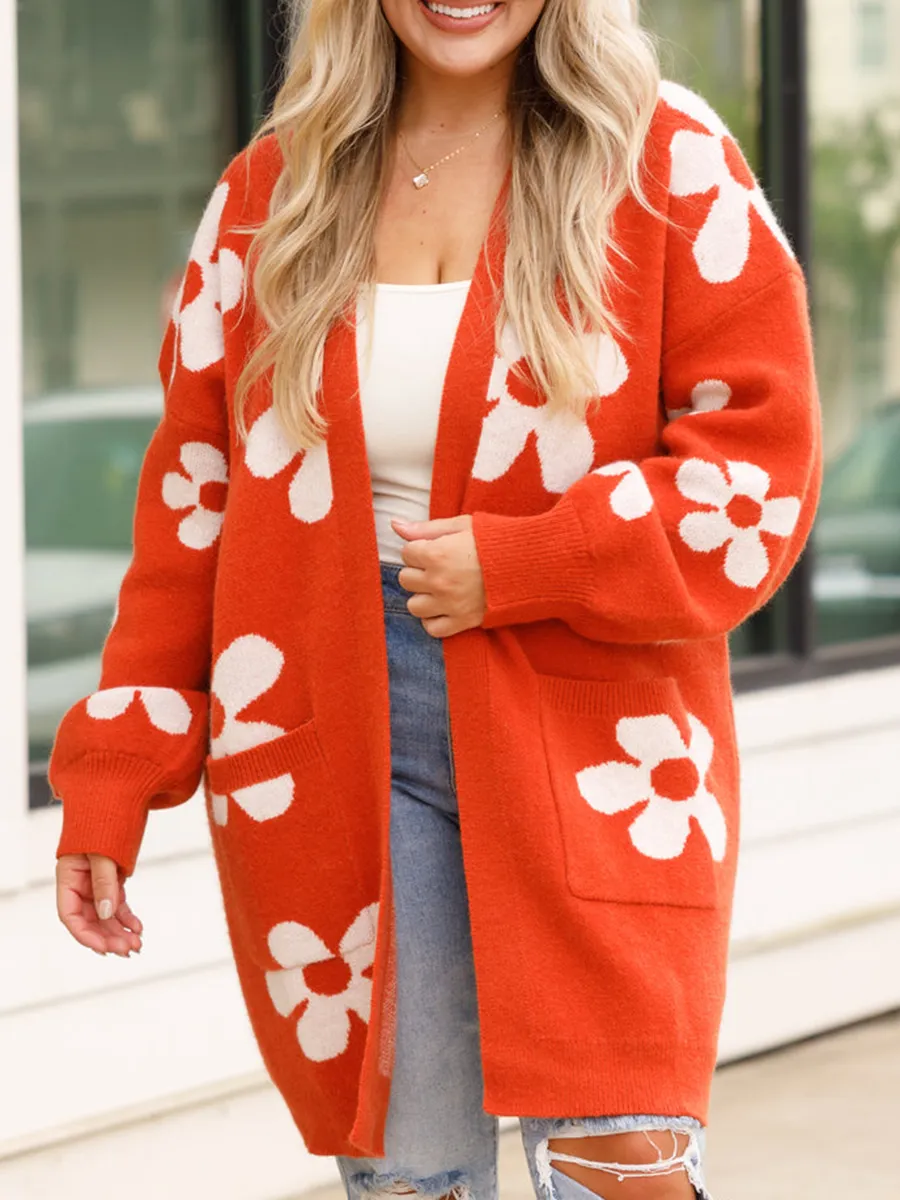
pixel 452 663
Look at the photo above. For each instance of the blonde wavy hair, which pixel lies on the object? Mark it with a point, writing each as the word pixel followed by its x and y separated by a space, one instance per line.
pixel 581 101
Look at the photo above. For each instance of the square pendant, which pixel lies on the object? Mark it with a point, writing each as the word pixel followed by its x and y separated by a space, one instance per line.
pixel 420 180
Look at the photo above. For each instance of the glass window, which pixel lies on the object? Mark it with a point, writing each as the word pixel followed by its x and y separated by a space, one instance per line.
pixel 872 33
pixel 855 118
pixel 713 46
pixel 126 120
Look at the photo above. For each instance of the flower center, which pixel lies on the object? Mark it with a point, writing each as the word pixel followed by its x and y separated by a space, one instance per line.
pixel 744 512
pixel 737 166
pixel 525 392
pixel 675 779
pixel 213 496
pixel 328 978
pixel 216 717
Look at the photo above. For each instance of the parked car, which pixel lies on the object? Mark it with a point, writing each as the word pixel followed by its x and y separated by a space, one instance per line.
pixel 83 453
pixel 856 582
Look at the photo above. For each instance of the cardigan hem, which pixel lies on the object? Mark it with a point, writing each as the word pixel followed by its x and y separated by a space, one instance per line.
pixel 603 1079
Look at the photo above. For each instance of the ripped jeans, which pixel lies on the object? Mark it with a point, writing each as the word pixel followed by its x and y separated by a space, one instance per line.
pixel 438 1139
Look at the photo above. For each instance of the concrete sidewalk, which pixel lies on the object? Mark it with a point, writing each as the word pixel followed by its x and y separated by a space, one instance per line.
pixel 816 1121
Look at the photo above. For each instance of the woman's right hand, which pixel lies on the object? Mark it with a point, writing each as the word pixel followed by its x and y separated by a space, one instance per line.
pixel 90 900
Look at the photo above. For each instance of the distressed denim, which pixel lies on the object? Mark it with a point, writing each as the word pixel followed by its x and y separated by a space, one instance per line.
pixel 438 1139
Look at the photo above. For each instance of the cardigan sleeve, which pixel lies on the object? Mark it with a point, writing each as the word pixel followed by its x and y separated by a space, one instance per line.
pixel 139 741
pixel 690 541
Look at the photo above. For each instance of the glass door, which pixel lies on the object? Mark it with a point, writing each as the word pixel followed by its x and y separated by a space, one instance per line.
pixel 128 111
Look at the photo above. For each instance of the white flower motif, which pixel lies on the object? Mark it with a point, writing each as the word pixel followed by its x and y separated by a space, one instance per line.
pixel 631 498
pixel 669 780
pixel 710 395
pixel 203 466
pixel 199 336
pixel 565 445
pixel 166 709
pixel 739 510
pixel 711 162
pixel 244 671
pixel 323 1029
pixel 267 454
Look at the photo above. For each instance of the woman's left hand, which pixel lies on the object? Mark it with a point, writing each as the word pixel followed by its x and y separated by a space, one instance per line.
pixel 443 572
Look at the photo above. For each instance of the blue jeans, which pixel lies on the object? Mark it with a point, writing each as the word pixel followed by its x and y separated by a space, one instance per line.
pixel 438 1138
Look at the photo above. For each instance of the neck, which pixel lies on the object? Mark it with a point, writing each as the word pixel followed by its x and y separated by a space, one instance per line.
pixel 435 104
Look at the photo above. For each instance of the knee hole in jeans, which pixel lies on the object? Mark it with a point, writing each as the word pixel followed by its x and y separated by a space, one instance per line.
pixel 634 1154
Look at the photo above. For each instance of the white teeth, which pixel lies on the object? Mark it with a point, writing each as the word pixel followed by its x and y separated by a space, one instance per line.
pixel 462 13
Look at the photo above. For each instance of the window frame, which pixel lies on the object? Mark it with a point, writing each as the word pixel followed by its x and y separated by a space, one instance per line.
pixel 786 176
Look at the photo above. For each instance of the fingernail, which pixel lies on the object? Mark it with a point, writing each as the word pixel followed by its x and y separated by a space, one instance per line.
pixel 105 910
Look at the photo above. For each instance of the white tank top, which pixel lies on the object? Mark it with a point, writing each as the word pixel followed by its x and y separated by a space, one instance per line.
pixel 403 357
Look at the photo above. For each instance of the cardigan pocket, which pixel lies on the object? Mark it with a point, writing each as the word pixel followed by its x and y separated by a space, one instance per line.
pixel 280 836
pixel 641 794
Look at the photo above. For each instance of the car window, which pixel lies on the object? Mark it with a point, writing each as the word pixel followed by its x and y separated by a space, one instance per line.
pixel 867 474
pixel 81 481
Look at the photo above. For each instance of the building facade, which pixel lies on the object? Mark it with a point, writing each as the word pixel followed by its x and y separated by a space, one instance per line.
pixel 116 117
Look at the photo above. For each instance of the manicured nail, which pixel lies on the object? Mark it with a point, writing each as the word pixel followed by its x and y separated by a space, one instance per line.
pixel 105 910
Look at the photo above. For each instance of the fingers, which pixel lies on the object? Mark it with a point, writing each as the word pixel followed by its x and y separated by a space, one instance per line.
pixel 111 907
pixel 105 885
pixel 431 529
pixel 70 904
pixel 424 604
pixel 444 627
pixel 88 886
pixel 127 918
pixel 413 579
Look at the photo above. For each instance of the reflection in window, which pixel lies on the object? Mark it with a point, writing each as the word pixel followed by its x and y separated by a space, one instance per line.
pixel 124 127
pixel 873 32
pixel 856 298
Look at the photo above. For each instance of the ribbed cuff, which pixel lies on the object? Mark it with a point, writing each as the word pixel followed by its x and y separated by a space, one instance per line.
pixel 105 797
pixel 534 568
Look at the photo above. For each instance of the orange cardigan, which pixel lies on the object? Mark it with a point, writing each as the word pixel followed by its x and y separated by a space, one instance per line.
pixel 591 712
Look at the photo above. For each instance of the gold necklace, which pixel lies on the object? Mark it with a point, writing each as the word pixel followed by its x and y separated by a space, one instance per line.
pixel 422 178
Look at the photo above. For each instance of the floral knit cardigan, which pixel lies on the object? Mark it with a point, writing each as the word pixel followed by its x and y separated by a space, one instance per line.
pixel 591 711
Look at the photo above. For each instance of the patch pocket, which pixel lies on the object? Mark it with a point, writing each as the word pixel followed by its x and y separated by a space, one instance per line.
pixel 640 796
pixel 279 833
pixel 260 781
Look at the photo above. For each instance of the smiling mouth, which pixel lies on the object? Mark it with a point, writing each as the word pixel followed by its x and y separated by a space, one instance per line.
pixel 460 14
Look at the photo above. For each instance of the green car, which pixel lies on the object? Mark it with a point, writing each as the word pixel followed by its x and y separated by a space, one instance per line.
pixel 83 454
pixel 857 541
